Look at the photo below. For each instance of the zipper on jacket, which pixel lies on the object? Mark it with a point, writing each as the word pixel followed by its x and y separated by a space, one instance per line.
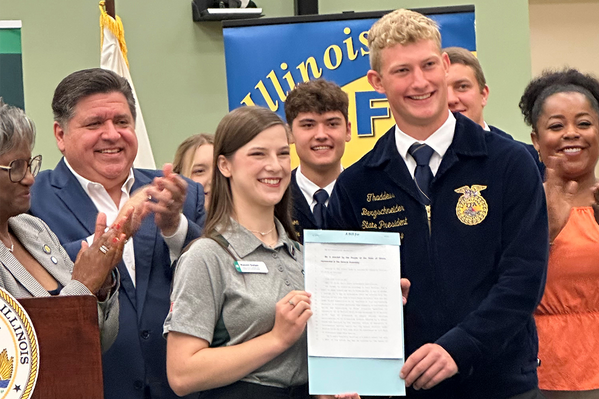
pixel 428 218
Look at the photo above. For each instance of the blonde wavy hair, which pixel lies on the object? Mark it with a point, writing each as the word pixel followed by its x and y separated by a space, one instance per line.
pixel 400 27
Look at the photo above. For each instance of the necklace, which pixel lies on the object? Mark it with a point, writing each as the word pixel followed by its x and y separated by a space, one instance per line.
pixel 261 233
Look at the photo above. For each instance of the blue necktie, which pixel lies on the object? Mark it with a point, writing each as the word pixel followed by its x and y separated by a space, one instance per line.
pixel 321 197
pixel 422 175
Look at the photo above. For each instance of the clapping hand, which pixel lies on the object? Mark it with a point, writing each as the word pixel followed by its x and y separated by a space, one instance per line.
pixel 595 204
pixel 95 262
pixel 166 196
pixel 137 209
pixel 559 195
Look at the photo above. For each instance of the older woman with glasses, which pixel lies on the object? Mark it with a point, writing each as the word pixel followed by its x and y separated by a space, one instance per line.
pixel 32 261
pixel 17 169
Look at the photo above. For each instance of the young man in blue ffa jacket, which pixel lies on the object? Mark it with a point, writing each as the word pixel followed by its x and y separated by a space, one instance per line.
pixel 468 92
pixel 316 112
pixel 470 210
pixel 94 113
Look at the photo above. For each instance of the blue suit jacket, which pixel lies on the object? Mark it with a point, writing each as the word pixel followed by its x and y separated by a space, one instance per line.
pixel 136 363
pixel 302 217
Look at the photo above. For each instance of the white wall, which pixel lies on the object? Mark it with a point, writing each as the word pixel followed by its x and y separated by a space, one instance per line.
pixel 565 33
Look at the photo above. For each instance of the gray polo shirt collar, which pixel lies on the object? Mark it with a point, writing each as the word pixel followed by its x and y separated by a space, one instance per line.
pixel 244 242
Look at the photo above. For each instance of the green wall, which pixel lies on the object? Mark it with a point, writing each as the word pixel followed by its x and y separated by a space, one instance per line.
pixel 178 65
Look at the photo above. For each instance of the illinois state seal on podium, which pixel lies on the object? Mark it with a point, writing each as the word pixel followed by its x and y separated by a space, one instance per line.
pixel 19 350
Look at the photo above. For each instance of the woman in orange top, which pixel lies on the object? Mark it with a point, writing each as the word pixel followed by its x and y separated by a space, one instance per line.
pixel 563 110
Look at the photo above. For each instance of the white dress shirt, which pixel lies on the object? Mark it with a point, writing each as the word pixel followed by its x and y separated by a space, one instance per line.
pixel 439 141
pixel 309 188
pixel 104 203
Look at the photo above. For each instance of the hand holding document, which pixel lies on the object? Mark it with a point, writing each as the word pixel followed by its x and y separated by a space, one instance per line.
pixel 355 336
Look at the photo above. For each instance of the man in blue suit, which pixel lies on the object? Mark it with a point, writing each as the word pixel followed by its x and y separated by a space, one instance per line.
pixel 94 113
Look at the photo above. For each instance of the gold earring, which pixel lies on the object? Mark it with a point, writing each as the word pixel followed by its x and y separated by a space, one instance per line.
pixel 540 159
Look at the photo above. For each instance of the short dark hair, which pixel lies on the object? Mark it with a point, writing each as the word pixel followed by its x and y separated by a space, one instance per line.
pixel 459 55
pixel 318 96
pixel 553 82
pixel 85 83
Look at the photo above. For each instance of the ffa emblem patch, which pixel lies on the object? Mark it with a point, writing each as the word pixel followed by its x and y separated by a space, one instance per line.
pixel 472 207
pixel 19 356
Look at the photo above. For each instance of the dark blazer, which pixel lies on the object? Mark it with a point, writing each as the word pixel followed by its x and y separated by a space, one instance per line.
pixel 135 365
pixel 529 147
pixel 476 260
pixel 302 217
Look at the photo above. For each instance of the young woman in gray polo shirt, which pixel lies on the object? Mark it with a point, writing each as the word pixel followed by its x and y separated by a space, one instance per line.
pixel 236 328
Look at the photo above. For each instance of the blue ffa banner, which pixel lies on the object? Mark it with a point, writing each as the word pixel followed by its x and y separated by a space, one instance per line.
pixel 265 59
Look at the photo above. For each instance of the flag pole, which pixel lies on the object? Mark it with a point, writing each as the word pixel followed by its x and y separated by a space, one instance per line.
pixel 114 58
pixel 110 9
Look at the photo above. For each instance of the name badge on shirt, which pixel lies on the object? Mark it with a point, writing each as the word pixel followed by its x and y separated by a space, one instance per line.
pixel 250 267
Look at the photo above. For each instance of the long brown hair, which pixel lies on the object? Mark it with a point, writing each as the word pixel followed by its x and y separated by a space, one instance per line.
pixel 235 130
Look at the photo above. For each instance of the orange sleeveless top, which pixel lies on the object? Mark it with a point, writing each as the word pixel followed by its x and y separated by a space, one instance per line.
pixel 568 315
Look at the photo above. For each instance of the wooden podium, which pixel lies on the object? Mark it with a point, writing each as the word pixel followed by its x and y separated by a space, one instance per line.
pixel 67 330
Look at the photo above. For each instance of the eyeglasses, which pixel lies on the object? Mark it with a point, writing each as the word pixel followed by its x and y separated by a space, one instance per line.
pixel 17 169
